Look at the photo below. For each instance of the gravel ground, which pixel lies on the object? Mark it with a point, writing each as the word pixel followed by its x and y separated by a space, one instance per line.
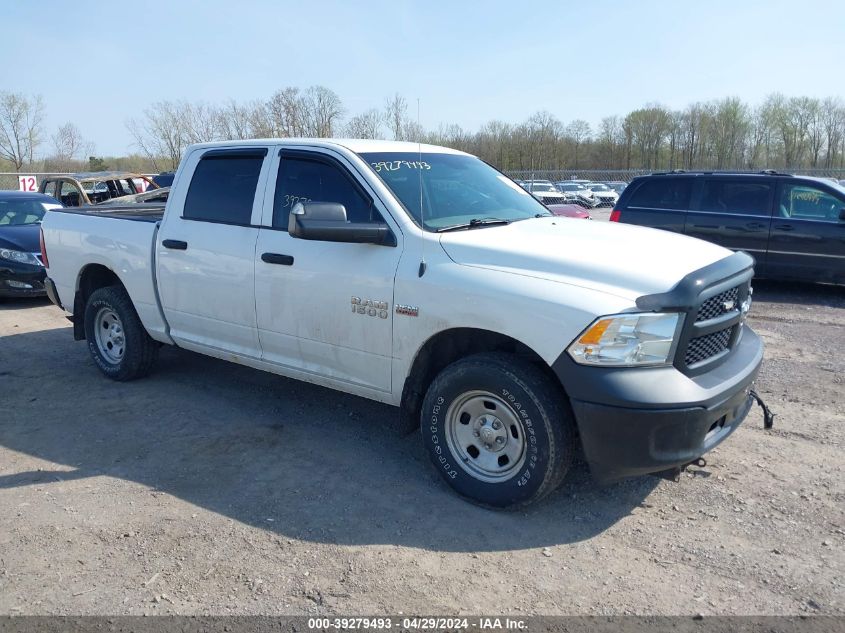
pixel 212 488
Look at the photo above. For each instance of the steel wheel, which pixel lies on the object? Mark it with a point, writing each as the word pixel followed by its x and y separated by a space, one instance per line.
pixel 109 335
pixel 486 436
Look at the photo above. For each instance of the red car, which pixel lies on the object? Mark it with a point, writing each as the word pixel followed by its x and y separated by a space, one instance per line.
pixel 569 211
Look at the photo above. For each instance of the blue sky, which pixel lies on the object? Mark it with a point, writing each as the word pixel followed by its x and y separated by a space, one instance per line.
pixel 468 62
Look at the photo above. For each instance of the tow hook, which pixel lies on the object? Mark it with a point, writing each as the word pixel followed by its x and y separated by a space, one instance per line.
pixel 768 416
pixel 674 474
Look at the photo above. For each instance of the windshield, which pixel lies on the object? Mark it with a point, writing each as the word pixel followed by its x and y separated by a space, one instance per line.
pixel 571 187
pixel 20 212
pixel 598 187
pixel 453 188
pixel 542 187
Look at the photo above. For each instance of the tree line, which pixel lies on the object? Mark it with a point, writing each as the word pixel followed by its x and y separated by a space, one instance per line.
pixel 781 132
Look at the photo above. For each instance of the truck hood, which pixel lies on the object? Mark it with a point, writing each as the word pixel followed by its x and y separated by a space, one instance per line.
pixel 620 259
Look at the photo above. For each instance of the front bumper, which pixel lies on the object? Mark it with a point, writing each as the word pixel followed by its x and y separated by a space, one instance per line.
pixel 21 280
pixel 634 421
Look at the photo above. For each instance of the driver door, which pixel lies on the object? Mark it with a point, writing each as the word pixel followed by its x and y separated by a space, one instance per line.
pixel 324 308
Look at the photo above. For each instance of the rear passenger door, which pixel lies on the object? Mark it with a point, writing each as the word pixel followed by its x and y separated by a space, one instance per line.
pixel 206 251
pixel 660 202
pixel 734 213
pixel 808 237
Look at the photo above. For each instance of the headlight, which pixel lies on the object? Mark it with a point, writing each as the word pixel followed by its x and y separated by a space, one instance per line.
pixel 22 257
pixel 620 340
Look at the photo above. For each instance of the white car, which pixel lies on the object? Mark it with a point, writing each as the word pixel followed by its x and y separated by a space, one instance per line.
pixel 584 196
pixel 604 195
pixel 421 277
pixel 547 193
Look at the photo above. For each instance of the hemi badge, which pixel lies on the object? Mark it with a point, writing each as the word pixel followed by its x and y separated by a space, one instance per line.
pixel 408 310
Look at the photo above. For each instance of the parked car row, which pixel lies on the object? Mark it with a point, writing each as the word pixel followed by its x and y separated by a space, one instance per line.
pixel 585 193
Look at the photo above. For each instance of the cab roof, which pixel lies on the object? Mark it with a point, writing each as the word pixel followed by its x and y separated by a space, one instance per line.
pixel 359 146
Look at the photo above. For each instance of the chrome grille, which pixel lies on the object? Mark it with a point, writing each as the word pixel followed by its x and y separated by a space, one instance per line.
pixel 707 346
pixel 715 306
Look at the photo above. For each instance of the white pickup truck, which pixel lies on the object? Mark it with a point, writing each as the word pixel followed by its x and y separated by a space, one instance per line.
pixel 421 277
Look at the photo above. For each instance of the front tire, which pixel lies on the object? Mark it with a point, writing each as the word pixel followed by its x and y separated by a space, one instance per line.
pixel 117 340
pixel 498 430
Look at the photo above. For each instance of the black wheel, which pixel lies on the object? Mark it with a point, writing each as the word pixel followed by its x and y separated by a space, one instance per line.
pixel 498 430
pixel 118 342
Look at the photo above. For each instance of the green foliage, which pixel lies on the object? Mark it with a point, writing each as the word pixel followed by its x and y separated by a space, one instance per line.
pixel 97 164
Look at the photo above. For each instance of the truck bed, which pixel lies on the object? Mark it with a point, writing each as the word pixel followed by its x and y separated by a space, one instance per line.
pixel 117 237
pixel 145 212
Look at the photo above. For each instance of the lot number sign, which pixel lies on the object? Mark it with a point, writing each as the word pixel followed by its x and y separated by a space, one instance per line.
pixel 28 183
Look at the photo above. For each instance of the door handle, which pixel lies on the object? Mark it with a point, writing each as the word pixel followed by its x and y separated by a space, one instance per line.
pixel 177 245
pixel 755 226
pixel 277 258
pixel 785 227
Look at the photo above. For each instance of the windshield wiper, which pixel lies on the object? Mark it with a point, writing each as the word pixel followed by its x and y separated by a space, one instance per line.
pixel 473 224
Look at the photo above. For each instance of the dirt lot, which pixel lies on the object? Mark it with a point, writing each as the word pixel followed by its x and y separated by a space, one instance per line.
pixel 212 488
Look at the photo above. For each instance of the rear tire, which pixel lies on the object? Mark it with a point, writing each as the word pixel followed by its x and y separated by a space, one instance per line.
pixel 498 430
pixel 117 340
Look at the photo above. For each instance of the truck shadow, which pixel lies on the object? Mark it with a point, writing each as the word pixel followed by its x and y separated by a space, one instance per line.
pixel 295 459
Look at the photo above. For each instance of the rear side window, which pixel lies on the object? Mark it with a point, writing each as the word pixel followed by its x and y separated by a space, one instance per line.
pixel 662 193
pixel 308 180
pixel 223 187
pixel 732 196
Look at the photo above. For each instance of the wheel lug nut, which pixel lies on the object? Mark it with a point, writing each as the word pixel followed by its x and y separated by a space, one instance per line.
pixel 497 425
pixel 476 433
pixel 500 440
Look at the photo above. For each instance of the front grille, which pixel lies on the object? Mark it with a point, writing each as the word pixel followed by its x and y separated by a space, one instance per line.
pixel 715 306
pixel 707 346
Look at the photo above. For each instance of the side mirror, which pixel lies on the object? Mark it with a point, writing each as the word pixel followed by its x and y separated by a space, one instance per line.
pixel 326 222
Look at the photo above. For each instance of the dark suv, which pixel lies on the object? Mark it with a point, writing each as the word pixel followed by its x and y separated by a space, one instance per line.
pixel 794 226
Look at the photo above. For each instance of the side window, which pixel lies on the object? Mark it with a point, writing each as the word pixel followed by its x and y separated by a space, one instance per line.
pixel 805 202
pixel 306 180
pixel 223 187
pixel 662 193
pixel 736 196
pixel 69 194
pixel 50 189
pixel 124 187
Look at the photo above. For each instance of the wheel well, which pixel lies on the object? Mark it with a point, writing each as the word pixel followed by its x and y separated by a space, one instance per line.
pixel 442 350
pixel 93 277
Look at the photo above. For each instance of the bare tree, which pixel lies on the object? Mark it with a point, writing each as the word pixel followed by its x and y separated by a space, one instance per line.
pixel 833 120
pixel 649 127
pixel 21 118
pixel 68 143
pixel 365 125
pixel 578 132
pixel 729 123
pixel 200 121
pixel 235 121
pixel 285 113
pixel 160 134
pixel 322 109
pixel 396 112
pixel 68 148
